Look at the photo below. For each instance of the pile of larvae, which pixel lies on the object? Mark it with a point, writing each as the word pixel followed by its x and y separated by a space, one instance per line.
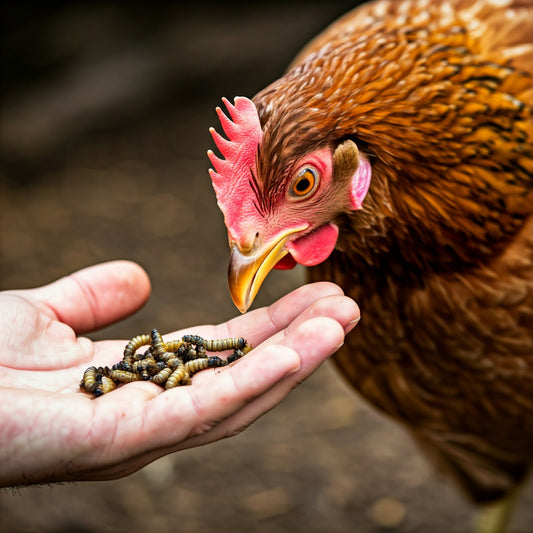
pixel 168 364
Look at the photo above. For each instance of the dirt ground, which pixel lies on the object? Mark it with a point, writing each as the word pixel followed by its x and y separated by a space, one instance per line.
pixel 103 133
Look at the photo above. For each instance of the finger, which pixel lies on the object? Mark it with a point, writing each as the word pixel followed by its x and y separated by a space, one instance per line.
pixel 313 341
pixel 95 296
pixel 339 307
pixel 220 403
pixel 260 324
pixel 223 402
pixel 160 423
pixel 194 411
pixel 314 335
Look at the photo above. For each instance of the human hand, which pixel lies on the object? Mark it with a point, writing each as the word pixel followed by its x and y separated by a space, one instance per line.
pixel 50 431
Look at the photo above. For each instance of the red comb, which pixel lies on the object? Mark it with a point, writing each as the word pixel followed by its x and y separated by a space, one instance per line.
pixel 244 134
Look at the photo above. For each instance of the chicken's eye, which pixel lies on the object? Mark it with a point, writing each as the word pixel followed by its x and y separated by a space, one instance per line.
pixel 304 183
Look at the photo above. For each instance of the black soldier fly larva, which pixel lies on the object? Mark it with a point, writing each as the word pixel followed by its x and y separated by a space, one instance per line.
pixel 168 364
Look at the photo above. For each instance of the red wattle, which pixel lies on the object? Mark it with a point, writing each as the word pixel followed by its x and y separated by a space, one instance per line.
pixel 312 249
pixel 286 263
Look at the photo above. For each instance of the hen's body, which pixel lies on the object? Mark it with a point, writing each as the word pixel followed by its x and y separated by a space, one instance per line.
pixel 438 98
pixel 445 280
pixel 451 356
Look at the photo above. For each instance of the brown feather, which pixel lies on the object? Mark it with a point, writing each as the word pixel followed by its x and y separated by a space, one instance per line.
pixel 438 96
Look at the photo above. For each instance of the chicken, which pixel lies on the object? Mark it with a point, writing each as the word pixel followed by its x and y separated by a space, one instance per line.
pixel 395 158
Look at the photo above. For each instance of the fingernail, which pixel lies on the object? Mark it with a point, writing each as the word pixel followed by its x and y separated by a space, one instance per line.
pixel 351 325
pixel 293 370
pixel 296 367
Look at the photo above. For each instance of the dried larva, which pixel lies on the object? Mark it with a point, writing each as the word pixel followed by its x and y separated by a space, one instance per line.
pixel 123 365
pixel 167 364
pixel 192 353
pixel 205 362
pixel 157 343
pixel 122 376
pixel 140 356
pixel 135 344
pixel 89 381
pixel 224 344
pixel 238 353
pixel 148 364
pixel 179 375
pixel 107 385
pixel 162 376
pixel 173 362
pixel 173 346
pixel 103 385
pixel 193 339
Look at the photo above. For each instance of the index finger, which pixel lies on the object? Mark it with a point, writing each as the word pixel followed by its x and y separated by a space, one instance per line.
pixel 260 324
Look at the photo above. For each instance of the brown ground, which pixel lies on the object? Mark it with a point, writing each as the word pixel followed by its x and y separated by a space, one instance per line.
pixel 103 136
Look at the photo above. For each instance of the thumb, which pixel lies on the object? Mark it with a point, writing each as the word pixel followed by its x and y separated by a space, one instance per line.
pixel 95 296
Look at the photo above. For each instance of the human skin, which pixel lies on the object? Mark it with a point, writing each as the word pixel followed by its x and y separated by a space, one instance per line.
pixel 51 431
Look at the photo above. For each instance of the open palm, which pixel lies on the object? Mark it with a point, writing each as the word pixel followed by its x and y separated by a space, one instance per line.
pixel 50 431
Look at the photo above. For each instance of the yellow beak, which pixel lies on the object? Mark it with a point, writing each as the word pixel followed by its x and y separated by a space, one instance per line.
pixel 248 269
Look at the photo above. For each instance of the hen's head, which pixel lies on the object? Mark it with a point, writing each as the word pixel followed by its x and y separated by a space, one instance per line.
pixel 441 106
pixel 278 204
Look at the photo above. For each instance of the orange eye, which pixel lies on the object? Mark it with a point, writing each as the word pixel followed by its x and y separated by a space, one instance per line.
pixel 304 183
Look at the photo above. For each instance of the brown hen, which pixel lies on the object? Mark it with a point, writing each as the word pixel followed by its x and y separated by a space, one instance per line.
pixel 395 158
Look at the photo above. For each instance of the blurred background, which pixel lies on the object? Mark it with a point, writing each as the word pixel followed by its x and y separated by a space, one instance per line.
pixel 104 124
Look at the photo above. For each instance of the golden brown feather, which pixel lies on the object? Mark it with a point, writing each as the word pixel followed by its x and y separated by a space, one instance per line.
pixel 441 258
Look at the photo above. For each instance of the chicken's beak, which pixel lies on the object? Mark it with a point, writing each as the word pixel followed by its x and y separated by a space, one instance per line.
pixel 249 268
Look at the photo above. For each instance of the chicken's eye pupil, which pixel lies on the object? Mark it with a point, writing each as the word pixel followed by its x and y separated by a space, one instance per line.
pixel 304 183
